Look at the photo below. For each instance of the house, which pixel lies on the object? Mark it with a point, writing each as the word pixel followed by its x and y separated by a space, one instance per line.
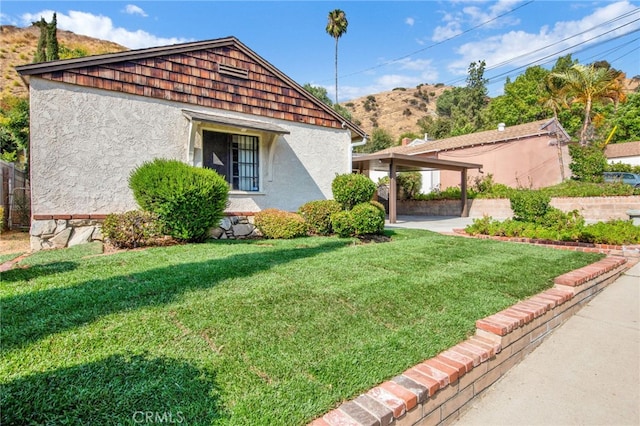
pixel 530 155
pixel 211 104
pixel 626 153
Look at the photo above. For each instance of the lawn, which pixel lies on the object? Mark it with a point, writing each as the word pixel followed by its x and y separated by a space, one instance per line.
pixel 253 333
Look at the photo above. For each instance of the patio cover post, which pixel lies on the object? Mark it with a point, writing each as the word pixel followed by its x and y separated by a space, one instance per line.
pixel 463 190
pixel 392 192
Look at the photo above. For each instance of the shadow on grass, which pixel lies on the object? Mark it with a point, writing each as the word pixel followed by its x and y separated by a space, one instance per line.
pixel 35 315
pixel 36 271
pixel 121 389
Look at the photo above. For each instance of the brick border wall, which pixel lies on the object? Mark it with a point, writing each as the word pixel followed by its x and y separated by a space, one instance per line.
pixel 439 389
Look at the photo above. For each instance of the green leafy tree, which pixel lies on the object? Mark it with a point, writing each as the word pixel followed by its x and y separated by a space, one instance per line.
pixel 521 100
pixel 14 128
pixel 336 27
pixel 464 105
pixel 380 139
pixel 627 120
pixel 321 94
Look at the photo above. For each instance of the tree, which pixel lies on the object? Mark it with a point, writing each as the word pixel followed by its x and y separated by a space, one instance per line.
pixel 520 102
pixel 47 49
pixel 380 139
pixel 626 120
pixel 52 40
pixel 14 128
pixel 586 85
pixel 321 94
pixel 337 26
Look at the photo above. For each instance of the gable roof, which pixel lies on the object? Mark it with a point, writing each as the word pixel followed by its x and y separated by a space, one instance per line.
pixel 621 150
pixel 544 127
pixel 221 73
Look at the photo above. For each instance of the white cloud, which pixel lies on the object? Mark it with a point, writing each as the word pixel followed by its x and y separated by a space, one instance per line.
pixel 101 27
pixel 451 29
pixel 132 9
pixel 548 41
pixel 7 20
pixel 410 21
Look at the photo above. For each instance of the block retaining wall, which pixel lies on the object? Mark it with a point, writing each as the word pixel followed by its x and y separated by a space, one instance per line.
pixel 592 208
pixel 439 389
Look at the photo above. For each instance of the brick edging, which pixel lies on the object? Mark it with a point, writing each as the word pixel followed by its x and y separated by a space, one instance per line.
pixel 436 390
pixel 630 250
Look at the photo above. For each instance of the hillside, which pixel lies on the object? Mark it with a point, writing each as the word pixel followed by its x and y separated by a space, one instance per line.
pixel 18 46
pixel 396 111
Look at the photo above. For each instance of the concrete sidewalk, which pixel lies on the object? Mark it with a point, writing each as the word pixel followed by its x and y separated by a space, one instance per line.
pixel 587 372
pixel 441 224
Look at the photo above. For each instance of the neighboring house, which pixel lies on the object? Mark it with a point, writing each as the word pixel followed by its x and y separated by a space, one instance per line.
pixel 626 153
pixel 530 155
pixel 211 104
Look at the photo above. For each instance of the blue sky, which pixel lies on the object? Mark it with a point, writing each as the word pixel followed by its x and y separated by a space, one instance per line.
pixel 387 44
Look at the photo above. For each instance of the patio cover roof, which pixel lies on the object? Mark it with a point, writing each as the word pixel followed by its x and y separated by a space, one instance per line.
pixel 393 162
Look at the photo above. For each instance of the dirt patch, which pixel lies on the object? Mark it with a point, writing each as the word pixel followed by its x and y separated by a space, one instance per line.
pixel 14 242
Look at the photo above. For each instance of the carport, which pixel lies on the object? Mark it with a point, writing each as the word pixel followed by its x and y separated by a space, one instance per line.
pixel 393 163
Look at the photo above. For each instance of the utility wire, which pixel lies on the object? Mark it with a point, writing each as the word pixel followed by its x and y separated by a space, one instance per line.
pixel 392 61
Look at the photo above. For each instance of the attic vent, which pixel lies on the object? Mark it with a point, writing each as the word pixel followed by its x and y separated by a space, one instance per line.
pixel 232 71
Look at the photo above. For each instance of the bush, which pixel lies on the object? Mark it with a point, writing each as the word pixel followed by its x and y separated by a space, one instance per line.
pixel 132 229
pixel 342 224
pixel 318 215
pixel 587 163
pixel 612 232
pixel 351 189
pixel 278 224
pixel 410 184
pixel 529 205
pixel 188 200
pixel 363 219
pixel 367 219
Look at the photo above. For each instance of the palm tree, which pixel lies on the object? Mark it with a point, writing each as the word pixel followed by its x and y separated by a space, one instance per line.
pixel 337 26
pixel 588 84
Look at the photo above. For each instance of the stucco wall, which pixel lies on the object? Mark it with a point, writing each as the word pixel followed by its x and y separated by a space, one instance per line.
pixel 85 143
pixel 530 162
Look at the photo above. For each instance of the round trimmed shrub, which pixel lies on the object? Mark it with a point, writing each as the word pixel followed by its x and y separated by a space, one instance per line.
pixel 278 224
pixel 351 189
pixel 342 224
pixel 188 200
pixel 318 215
pixel 367 219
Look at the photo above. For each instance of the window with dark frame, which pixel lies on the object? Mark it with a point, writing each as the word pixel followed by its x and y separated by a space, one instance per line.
pixel 233 156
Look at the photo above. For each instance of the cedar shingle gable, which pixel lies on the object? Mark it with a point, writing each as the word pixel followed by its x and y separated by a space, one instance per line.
pixel 204 74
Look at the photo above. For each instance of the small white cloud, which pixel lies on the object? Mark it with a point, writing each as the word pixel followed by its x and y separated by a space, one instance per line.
pixel 410 21
pixel 132 9
pixel 101 27
pixel 448 31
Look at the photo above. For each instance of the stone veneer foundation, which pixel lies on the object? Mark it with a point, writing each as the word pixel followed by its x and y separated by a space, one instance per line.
pixel 60 231
pixel 436 391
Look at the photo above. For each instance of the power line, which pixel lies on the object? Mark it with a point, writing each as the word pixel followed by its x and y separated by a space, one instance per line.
pixel 384 64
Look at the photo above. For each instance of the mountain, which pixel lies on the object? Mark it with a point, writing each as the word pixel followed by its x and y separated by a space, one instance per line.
pixel 397 111
pixel 18 47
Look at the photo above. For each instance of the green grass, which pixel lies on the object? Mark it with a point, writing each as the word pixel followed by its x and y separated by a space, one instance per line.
pixel 253 333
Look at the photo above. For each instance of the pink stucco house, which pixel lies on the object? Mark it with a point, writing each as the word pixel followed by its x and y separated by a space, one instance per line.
pixel 531 155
